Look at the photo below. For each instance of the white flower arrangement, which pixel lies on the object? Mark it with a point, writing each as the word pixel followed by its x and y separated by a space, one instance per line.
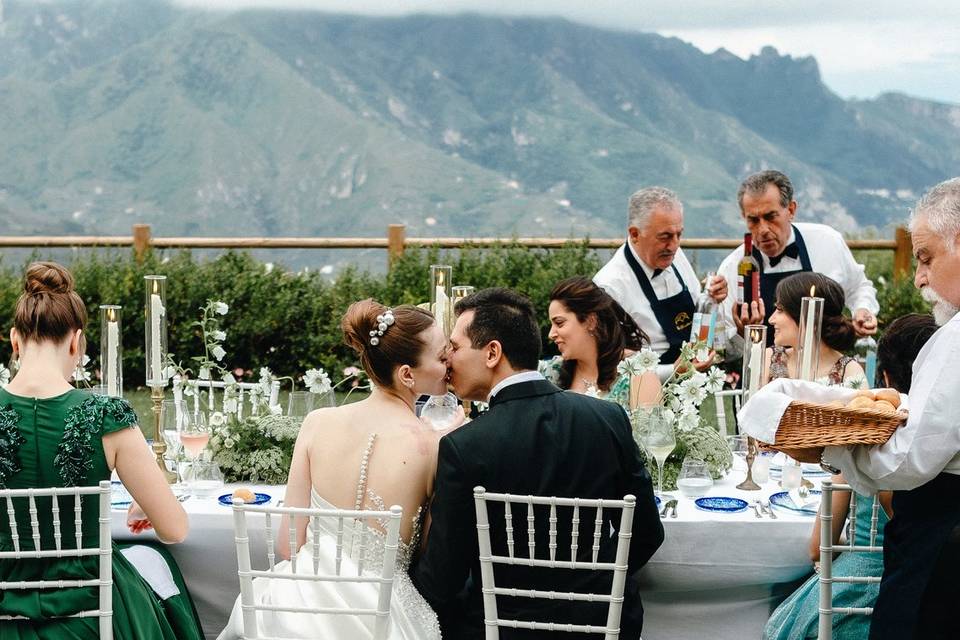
pixel 4 376
pixel 80 374
pixel 317 381
pixel 639 363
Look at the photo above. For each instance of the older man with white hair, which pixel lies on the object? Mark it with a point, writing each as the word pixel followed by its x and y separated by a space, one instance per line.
pixel 921 462
pixel 652 279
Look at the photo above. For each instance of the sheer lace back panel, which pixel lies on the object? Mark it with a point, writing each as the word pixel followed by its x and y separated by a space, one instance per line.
pixel 363 540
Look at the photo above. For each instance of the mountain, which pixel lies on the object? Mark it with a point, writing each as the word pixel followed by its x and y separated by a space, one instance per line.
pixel 305 123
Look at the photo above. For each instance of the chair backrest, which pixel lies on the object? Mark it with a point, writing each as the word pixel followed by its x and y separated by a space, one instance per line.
pixel 359 550
pixel 104 549
pixel 720 399
pixel 828 549
pixel 491 620
pixel 239 391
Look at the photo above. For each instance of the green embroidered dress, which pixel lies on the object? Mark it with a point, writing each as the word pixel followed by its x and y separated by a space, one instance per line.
pixel 56 442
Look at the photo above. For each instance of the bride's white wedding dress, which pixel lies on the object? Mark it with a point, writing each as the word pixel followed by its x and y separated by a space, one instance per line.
pixel 411 618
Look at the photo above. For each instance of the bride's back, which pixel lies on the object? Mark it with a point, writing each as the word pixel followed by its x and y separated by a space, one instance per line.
pixel 381 437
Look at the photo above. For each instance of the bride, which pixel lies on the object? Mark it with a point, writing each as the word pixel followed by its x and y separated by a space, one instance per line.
pixel 370 454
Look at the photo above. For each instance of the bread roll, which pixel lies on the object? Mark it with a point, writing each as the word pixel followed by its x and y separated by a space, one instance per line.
pixel 861 402
pixel 836 403
pixel 883 405
pixel 866 393
pixel 244 494
pixel 889 395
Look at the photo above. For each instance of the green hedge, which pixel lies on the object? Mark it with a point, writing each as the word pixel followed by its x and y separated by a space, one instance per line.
pixel 287 321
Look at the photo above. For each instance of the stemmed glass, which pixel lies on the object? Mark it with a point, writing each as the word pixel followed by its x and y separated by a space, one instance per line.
pixel 194 435
pixel 739 446
pixel 442 412
pixel 171 423
pixel 658 438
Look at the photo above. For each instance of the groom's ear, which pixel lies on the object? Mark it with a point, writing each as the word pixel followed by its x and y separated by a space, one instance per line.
pixel 493 353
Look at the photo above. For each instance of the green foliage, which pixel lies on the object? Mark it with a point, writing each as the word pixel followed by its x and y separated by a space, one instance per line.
pixel 287 321
pixel 896 297
pixel 256 449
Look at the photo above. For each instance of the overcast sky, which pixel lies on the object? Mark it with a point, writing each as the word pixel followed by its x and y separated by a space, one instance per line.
pixel 863 47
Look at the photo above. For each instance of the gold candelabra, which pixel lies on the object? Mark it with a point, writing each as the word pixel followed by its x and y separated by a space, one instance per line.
pixel 159 445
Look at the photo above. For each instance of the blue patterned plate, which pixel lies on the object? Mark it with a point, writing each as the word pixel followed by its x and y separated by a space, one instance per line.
pixel 721 504
pixel 259 498
pixel 783 500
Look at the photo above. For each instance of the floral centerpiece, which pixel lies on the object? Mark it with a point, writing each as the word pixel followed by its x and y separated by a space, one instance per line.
pixel 681 397
pixel 256 448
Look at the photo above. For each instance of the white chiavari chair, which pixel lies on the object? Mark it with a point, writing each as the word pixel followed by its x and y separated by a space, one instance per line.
pixel 25 551
pixel 245 391
pixel 720 399
pixel 828 549
pixel 491 620
pixel 355 543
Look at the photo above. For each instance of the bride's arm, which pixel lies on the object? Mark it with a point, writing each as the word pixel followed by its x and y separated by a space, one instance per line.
pixel 298 491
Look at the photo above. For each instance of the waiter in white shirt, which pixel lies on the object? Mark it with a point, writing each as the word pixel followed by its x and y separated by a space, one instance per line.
pixel 651 278
pixel 921 462
pixel 782 248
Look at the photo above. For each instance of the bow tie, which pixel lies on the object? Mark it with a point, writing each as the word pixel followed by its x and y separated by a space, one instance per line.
pixel 792 251
pixel 656 272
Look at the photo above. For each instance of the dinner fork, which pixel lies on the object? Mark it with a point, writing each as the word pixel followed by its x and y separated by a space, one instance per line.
pixel 765 505
pixel 673 514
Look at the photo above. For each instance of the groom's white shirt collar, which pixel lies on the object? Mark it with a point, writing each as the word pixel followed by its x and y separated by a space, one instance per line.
pixel 517 378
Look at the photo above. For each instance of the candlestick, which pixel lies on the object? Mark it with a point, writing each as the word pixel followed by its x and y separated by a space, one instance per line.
pixel 155 330
pixel 811 318
pixel 111 360
pixel 748 484
pixel 441 280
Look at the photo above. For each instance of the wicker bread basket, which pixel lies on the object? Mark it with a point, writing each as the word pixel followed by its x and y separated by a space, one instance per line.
pixel 807 425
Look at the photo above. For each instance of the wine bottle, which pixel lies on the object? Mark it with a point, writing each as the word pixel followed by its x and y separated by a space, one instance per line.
pixel 748 272
pixel 704 317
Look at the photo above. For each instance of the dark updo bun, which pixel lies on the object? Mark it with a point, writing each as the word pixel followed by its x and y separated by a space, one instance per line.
pixel 837 330
pixel 49 308
pixel 400 344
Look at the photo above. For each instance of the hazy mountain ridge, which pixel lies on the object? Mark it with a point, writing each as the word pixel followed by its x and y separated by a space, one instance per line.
pixel 297 123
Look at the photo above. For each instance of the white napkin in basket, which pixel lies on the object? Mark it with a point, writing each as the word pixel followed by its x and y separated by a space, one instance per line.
pixel 761 416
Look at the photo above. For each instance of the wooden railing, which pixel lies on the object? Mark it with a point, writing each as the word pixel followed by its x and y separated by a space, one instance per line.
pixel 397 241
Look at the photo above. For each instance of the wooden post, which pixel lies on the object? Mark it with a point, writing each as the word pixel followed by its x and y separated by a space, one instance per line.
pixel 902 254
pixel 141 240
pixel 396 239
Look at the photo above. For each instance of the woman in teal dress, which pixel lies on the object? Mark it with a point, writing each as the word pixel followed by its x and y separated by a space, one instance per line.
pixel 52 435
pixel 593 334
pixel 797 617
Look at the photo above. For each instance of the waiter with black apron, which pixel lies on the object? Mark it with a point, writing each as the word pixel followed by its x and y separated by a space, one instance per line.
pixel 651 278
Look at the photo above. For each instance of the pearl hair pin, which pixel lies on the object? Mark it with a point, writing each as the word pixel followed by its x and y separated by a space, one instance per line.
pixel 384 322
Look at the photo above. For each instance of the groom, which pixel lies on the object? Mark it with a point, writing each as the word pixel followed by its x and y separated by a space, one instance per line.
pixel 534 439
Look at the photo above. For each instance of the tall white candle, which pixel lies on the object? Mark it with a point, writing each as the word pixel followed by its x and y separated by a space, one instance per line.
pixel 112 379
pixel 441 307
pixel 756 363
pixel 156 316
pixel 807 354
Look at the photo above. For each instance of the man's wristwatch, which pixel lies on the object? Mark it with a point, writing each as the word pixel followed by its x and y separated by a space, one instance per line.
pixel 826 467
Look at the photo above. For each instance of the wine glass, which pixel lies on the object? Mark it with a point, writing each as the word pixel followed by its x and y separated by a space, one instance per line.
pixel 658 438
pixel 194 435
pixel 171 423
pixel 739 447
pixel 442 412
pixel 299 404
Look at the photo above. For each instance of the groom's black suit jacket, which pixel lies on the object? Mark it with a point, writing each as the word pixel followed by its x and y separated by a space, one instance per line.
pixel 535 440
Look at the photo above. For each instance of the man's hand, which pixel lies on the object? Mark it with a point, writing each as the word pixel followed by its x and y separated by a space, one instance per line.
pixel 717 289
pixel 699 365
pixel 754 313
pixel 864 323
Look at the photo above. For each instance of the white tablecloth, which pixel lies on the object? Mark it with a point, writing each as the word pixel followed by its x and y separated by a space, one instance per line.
pixel 716 576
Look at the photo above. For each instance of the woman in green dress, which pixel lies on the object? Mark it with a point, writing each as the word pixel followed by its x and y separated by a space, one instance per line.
pixel 594 334
pixel 52 435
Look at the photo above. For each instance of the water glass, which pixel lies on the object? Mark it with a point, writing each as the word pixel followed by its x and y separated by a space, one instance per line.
pixel 441 412
pixel 206 479
pixel 299 404
pixel 761 466
pixel 739 446
pixel 792 475
pixel 694 480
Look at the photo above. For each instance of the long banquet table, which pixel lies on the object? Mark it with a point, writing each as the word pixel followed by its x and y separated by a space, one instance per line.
pixel 716 576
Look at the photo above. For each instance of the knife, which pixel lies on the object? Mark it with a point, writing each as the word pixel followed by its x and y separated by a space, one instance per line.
pixel 673 503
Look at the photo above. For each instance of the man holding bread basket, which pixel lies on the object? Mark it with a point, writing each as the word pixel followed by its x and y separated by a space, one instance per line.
pixel 921 460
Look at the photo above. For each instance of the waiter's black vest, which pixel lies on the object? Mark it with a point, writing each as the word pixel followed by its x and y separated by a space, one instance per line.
pixel 769 281
pixel 674 314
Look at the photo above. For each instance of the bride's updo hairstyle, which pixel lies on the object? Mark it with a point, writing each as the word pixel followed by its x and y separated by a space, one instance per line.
pixel 837 331
pixel 397 345
pixel 49 307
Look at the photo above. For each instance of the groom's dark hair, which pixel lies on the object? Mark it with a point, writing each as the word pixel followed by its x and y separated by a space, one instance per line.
pixel 507 317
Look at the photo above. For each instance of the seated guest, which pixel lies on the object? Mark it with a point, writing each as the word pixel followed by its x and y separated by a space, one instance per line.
pixel 782 247
pixel 837 333
pixel 363 455
pixel 534 440
pixel 54 435
pixel 651 278
pixel 594 334
pixel 798 616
